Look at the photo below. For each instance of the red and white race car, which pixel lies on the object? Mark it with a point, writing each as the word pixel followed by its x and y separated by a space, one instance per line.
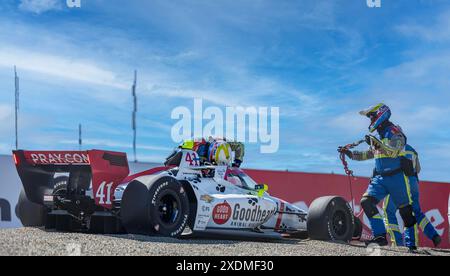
pixel 92 191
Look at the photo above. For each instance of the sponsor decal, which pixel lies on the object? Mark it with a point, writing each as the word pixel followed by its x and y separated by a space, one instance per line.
pixel 48 198
pixel 207 198
pixel 5 210
pixel 222 213
pixel 49 158
pixel 203 216
pixel 220 172
pixel 181 228
pixel 165 184
pixel 250 217
pixel 220 188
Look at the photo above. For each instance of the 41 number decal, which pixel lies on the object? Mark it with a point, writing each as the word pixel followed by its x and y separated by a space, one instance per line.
pixel 192 159
pixel 104 193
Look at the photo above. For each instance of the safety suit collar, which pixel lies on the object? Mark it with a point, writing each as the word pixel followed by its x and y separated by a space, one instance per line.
pixel 382 128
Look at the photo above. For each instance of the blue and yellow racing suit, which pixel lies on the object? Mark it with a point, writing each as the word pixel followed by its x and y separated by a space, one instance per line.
pixel 389 178
pixel 390 210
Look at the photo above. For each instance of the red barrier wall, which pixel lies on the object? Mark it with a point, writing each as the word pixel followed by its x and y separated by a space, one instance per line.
pixel 305 187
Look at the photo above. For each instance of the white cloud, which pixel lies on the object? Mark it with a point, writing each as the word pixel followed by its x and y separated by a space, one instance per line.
pixel 114 144
pixel 349 122
pixel 60 66
pixel 5 112
pixel 6 119
pixel 435 32
pixel 39 6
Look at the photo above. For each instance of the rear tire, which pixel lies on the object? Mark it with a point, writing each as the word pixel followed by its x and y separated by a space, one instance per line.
pixel 160 207
pixel 29 213
pixel 330 218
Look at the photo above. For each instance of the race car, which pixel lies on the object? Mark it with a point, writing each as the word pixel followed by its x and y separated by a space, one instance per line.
pixel 92 191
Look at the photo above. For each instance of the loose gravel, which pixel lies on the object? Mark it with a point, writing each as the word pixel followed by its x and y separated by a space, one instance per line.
pixel 32 241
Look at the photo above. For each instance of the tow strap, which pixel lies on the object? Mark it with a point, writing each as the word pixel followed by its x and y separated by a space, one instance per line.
pixel 348 171
pixel 343 156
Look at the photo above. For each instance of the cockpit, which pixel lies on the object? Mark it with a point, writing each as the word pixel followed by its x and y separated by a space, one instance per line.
pixel 240 179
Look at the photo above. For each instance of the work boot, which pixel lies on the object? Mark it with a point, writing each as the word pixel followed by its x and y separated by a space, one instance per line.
pixel 380 241
pixel 437 240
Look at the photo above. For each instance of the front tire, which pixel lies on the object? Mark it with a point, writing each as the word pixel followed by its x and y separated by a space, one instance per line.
pixel 160 207
pixel 330 219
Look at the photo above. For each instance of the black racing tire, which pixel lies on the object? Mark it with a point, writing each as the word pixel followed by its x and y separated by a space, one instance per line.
pixel 330 219
pixel 60 186
pixel 29 213
pixel 60 190
pixel 158 208
pixel 357 232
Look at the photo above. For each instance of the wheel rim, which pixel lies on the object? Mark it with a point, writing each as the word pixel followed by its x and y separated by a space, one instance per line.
pixel 339 223
pixel 168 209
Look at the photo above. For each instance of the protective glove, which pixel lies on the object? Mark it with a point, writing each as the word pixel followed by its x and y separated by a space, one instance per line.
pixel 373 141
pixel 368 140
pixel 346 151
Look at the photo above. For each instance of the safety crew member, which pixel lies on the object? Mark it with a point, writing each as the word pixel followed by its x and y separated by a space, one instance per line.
pixel 411 237
pixel 389 177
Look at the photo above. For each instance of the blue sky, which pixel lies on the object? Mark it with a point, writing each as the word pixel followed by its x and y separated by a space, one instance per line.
pixel 319 61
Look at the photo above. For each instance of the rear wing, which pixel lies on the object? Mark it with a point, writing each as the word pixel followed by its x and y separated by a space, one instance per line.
pixel 105 170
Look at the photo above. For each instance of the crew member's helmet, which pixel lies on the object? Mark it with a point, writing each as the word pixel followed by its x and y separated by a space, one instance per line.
pixel 377 114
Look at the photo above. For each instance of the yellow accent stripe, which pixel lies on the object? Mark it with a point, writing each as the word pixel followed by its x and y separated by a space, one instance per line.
pixel 416 234
pixel 375 108
pixel 382 155
pixel 386 220
pixel 408 189
pixel 424 223
pixel 403 153
pixel 377 217
pixel 379 156
pixel 393 227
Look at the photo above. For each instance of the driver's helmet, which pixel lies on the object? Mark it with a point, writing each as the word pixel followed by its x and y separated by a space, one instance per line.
pixel 377 114
pixel 220 153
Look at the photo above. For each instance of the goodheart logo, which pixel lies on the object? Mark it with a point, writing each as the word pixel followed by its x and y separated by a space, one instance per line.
pixel 222 213
pixel 252 215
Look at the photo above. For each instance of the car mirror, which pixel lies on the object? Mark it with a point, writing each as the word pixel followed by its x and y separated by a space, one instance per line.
pixel 262 188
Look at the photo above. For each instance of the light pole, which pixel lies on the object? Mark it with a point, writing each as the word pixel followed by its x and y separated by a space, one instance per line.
pixel 16 82
pixel 80 138
pixel 134 125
